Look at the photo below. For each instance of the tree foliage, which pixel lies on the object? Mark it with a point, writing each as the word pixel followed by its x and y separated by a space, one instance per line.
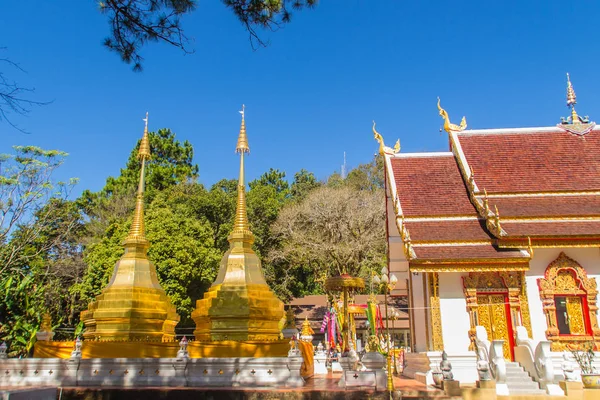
pixel 334 230
pixel 134 23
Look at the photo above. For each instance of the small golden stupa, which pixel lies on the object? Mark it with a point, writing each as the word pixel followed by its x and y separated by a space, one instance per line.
pixel 133 306
pixel 239 305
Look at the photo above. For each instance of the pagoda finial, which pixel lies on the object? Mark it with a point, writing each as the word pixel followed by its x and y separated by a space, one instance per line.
pixel 575 123
pixel 137 233
pixel 571 100
pixel 571 97
pixel 241 226
pixel 242 143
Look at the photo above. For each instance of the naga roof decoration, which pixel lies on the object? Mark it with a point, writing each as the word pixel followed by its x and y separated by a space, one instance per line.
pixel 448 126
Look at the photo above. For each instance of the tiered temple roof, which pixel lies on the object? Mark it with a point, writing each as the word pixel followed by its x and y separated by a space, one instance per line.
pixel 497 193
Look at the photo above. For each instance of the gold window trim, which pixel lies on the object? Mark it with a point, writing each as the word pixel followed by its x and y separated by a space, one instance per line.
pixel 436 316
pixel 553 284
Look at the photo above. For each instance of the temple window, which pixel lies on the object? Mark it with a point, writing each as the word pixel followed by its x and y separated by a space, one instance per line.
pixel 569 301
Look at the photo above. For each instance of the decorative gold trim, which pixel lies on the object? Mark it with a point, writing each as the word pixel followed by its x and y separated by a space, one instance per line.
pixel 451 268
pixel 525 314
pixel 547 243
pixel 554 283
pixel 554 218
pixel 558 193
pixel 427 311
pixel 436 315
pixel 440 243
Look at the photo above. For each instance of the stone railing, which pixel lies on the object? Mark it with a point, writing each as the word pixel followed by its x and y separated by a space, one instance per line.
pixel 492 353
pixel 538 360
pixel 497 362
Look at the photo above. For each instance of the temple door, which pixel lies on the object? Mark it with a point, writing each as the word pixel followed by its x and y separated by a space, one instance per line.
pixel 493 315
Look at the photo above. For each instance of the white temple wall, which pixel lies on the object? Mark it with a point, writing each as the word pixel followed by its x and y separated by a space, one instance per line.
pixel 419 314
pixel 453 310
pixel 588 258
pixel 397 263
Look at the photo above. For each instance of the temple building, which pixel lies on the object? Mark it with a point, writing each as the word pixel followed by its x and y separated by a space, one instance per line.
pixel 500 231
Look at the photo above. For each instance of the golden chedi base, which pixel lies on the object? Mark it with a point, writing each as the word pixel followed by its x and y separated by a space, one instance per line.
pixel 238 312
pixel 130 314
pixel 156 349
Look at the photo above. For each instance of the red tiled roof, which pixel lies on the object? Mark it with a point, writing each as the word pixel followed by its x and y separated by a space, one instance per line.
pixel 547 206
pixel 562 228
pixel 447 230
pixel 431 186
pixel 440 253
pixel 527 162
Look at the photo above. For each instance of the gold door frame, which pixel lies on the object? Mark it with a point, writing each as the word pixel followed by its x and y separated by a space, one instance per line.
pixel 510 282
pixel 564 276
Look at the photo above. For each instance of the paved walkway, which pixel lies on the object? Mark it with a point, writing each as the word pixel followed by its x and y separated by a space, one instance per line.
pixel 320 387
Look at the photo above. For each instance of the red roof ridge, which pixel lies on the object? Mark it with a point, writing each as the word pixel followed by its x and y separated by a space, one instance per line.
pixel 423 155
pixel 501 131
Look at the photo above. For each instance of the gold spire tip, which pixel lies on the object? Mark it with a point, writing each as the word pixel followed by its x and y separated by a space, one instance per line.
pixel 242 143
pixel 144 151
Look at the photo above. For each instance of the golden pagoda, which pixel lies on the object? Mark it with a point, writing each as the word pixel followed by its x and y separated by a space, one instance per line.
pixel 133 306
pixel 239 305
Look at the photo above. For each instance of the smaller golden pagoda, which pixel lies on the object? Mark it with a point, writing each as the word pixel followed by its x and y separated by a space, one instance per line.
pixel 133 306
pixel 239 305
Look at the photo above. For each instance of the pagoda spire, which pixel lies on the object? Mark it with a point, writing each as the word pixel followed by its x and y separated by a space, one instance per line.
pixel 137 233
pixel 241 226
pixel 239 305
pixel 133 306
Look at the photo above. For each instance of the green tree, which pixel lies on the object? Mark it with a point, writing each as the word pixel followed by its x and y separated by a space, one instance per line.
pixel 182 249
pixel 217 206
pixel 304 183
pixel 368 176
pixel 266 197
pixel 171 163
pixel 27 201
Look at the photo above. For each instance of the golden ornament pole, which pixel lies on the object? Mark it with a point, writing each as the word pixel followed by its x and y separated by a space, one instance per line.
pixel 388 281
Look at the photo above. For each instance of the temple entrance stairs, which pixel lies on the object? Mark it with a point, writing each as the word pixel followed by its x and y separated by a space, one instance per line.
pixel 520 382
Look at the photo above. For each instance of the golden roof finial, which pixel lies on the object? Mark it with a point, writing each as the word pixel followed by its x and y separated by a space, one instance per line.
pixel 241 226
pixel 571 97
pixel 571 100
pixel 448 126
pixel 242 143
pixel 575 123
pixel 137 233
pixel 529 247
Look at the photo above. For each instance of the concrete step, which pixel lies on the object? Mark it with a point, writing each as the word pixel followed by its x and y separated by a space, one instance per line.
pixel 537 392
pixel 523 385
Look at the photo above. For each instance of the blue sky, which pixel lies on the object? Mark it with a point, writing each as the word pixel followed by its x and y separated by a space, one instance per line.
pixel 310 95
